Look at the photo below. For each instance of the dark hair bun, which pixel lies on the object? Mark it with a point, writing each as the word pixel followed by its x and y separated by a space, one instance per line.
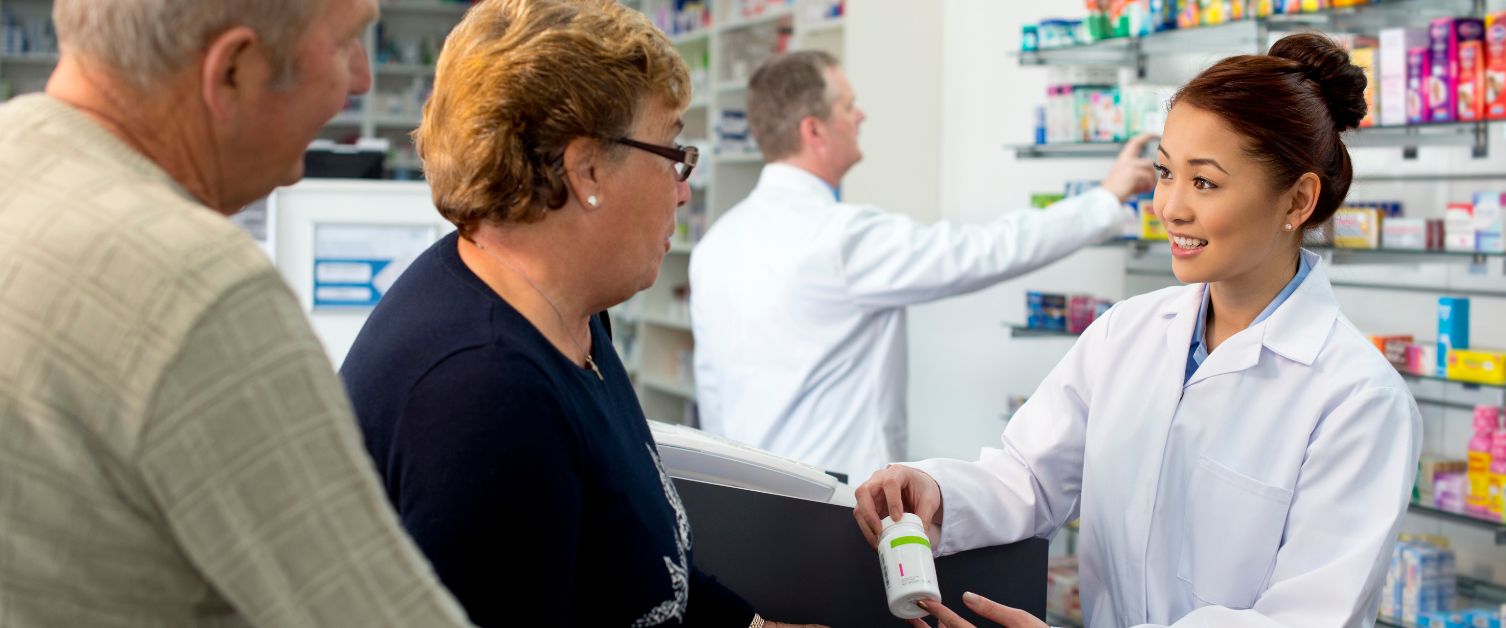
pixel 1326 63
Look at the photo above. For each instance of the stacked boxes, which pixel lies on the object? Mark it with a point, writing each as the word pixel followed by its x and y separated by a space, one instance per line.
pixel 1495 66
pixel 1420 581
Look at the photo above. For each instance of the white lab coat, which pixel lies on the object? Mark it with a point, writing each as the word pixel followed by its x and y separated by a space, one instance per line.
pixel 798 307
pixel 1267 491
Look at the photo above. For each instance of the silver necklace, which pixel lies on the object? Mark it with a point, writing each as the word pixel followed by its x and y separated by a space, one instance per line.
pixel 591 363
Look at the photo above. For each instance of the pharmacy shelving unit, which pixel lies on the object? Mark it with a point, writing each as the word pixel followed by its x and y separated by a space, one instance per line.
pixel 390 111
pixel 652 331
pixel 1460 156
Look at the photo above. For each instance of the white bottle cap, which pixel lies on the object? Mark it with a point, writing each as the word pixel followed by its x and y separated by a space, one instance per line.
pixel 908 517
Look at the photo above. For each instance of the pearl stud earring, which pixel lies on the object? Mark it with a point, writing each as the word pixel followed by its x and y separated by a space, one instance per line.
pixel 591 200
pixel 1288 225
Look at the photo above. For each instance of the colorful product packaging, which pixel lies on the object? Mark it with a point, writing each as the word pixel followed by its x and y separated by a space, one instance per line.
pixel 1163 14
pixel 1429 468
pixel 1394 347
pixel 1081 309
pixel 1418 70
pixel 1046 311
pixel 1453 328
pixel 1214 12
pixel 1357 228
pixel 1151 227
pixel 1477 366
pixel 1488 223
pixel 1495 66
pixel 1364 57
pixel 1459 228
pixel 1392 70
pixel 1471 70
pixel 1188 13
pixel 1448 491
pixel 1421 360
pixel 1407 234
pixel 1445 39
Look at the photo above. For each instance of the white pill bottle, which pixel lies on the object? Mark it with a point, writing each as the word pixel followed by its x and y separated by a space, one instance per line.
pixel 909 571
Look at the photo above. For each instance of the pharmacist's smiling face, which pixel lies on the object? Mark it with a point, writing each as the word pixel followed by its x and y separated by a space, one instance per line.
pixel 1216 202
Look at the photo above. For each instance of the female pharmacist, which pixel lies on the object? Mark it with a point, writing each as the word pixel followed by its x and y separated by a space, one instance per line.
pixel 1238 453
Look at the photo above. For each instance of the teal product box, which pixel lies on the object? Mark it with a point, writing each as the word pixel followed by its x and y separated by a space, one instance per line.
pixel 1163 15
pixel 1482 618
pixel 1453 328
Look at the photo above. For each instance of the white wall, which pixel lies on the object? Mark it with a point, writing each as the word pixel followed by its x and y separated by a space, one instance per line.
pixel 894 50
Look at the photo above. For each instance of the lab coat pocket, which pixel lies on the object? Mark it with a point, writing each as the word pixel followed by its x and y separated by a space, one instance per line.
pixel 1235 524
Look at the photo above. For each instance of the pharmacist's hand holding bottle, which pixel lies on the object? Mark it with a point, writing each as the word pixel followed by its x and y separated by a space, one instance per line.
pixel 988 609
pixel 1132 173
pixel 894 491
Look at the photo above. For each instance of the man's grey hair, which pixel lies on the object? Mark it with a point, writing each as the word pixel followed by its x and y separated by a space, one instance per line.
pixel 785 90
pixel 148 40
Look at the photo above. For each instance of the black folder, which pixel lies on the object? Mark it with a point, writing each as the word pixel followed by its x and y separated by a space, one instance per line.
pixel 801 561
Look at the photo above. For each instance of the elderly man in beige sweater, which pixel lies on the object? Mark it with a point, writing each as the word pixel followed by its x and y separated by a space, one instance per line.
pixel 175 449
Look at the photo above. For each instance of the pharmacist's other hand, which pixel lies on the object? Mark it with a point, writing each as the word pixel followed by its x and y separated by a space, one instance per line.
pixel 894 491
pixel 1131 174
pixel 984 607
pixel 775 624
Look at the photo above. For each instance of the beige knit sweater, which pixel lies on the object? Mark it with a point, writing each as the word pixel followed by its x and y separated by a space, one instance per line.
pixel 175 449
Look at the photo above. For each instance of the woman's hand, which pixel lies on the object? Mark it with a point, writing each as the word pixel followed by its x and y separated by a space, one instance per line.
pixel 894 491
pixel 984 607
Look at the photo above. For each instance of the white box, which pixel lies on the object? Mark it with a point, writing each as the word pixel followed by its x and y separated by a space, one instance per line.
pixel 1392 72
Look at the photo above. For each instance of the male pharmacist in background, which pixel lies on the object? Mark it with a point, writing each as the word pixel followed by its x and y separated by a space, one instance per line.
pixel 798 299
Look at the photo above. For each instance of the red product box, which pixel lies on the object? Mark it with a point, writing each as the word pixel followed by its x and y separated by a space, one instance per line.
pixel 1081 309
pixel 1471 73
pixel 1435 234
pixel 1495 66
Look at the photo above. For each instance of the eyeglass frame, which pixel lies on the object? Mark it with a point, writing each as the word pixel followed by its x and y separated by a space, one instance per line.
pixel 680 154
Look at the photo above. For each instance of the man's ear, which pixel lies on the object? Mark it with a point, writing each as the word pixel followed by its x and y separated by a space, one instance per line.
pixel 812 132
pixel 235 69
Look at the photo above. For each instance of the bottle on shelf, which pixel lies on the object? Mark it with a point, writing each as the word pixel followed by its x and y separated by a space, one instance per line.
pixel 1477 499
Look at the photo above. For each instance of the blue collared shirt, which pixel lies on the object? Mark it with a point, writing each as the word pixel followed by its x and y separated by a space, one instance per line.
pixel 1199 351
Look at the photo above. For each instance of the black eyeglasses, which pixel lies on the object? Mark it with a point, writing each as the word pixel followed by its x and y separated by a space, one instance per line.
pixel 685 157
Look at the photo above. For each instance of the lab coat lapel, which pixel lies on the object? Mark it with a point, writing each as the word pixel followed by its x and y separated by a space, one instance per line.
pixel 1239 352
pixel 1298 329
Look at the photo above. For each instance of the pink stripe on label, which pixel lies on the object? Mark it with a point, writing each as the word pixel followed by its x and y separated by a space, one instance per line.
pixel 901 570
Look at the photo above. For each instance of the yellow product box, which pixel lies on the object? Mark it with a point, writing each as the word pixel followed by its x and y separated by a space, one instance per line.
pixel 1364 57
pixel 1151 227
pixel 1477 366
pixel 1313 6
pixel 1215 12
pixel 1357 228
